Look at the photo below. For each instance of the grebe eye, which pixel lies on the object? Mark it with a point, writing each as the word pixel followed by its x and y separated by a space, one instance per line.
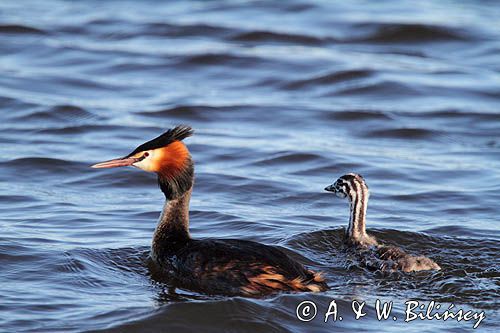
pixel 143 156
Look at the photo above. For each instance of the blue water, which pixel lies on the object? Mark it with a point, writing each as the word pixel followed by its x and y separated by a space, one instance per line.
pixel 284 97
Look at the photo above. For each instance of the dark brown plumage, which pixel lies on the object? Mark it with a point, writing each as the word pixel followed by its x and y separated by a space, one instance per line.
pixel 237 267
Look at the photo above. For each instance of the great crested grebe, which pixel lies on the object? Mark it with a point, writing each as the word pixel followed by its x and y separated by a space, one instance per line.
pixel 212 266
pixel 373 255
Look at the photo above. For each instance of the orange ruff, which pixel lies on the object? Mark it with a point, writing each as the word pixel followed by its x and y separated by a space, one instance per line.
pixel 171 160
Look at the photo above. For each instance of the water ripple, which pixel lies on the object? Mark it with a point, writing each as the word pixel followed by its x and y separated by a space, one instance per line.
pixel 403 33
pixel 19 29
pixel 284 98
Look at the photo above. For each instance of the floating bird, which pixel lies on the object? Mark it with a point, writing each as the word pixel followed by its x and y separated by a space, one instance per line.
pixel 371 253
pixel 211 266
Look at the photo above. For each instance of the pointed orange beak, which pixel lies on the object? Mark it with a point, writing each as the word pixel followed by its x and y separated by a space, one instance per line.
pixel 119 162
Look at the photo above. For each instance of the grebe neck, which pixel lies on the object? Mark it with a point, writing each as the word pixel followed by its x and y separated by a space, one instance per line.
pixel 356 231
pixel 357 219
pixel 172 231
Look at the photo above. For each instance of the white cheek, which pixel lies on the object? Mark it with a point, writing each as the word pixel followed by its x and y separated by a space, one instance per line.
pixel 146 164
pixel 141 165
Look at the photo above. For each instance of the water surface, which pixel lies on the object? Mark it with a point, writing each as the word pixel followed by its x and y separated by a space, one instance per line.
pixel 284 97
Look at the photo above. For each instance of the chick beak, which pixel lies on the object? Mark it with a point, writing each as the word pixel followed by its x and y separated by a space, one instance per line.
pixel 330 188
pixel 119 162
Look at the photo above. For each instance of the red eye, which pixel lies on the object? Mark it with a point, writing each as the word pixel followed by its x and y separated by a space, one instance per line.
pixel 146 154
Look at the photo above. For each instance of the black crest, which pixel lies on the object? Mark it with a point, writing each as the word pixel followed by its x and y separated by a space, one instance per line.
pixel 177 133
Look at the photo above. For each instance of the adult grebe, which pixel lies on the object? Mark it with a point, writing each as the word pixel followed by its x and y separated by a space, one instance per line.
pixel 372 254
pixel 212 266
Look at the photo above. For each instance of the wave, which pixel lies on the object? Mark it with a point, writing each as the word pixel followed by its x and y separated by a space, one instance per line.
pixel 188 112
pixel 65 113
pixel 223 59
pixel 385 88
pixel 330 78
pixel 20 29
pixel 405 33
pixel 270 36
pixel 358 115
pixel 401 133
pixel 285 158
pixel 75 129
pixel 281 108
pixel 185 30
pixel 38 162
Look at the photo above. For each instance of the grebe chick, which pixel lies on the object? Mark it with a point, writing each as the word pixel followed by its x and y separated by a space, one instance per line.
pixel 211 266
pixel 371 253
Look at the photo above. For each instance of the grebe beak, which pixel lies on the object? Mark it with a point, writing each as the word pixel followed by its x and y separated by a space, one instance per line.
pixel 330 188
pixel 119 162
